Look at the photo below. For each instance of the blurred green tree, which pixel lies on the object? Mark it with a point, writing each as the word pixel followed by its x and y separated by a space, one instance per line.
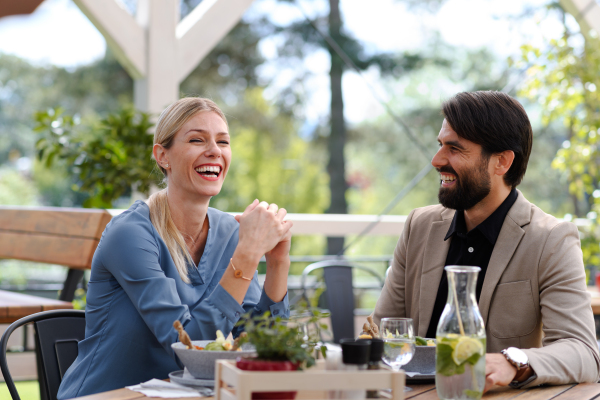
pixel 87 91
pixel 270 162
pixel 326 32
pixel 564 79
pixel 14 190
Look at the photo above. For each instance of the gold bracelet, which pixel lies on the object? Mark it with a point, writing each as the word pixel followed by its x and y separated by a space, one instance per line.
pixel 236 272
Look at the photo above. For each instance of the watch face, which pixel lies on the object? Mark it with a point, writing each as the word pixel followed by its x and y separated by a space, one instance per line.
pixel 517 355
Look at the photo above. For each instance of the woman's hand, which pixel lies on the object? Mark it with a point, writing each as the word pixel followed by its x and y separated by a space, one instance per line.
pixel 262 231
pixel 278 263
pixel 281 252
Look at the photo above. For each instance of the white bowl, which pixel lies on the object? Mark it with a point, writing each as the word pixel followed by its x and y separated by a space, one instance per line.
pixel 423 361
pixel 201 363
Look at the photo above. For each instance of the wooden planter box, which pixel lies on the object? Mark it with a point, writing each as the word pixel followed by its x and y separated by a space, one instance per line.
pixel 232 383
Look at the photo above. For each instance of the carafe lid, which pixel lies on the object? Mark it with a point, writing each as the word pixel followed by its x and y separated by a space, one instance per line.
pixel 355 351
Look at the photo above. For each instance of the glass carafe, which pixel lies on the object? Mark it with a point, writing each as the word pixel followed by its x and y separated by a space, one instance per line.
pixel 460 344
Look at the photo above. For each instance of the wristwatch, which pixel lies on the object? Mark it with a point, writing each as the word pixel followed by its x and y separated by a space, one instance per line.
pixel 516 357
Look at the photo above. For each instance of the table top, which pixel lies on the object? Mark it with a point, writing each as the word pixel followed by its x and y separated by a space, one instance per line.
pixel 14 306
pixel 582 391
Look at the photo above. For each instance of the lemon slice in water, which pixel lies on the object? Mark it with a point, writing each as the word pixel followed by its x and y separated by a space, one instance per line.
pixel 465 348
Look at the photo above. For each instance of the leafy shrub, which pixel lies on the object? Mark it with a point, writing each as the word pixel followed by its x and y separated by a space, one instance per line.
pixel 110 157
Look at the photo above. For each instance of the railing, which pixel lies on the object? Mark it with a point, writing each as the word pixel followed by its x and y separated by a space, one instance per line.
pixel 311 224
pixel 337 224
pixel 350 224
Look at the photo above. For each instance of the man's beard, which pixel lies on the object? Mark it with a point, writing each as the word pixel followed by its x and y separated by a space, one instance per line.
pixel 471 186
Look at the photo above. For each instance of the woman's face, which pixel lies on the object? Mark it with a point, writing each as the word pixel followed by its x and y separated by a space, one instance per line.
pixel 199 156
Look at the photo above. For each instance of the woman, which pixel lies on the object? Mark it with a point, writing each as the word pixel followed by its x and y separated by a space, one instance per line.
pixel 174 258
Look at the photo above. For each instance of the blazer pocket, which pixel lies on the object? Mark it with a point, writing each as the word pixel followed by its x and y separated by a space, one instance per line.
pixel 512 312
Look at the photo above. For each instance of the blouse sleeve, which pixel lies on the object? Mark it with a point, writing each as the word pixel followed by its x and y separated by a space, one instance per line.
pixel 131 254
pixel 257 302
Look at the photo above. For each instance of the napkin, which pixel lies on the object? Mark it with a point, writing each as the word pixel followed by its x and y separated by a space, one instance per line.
pixel 158 388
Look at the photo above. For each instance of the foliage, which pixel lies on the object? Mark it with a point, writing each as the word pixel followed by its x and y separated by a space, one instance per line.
pixel 276 339
pixel 26 88
pixel 107 157
pixel 15 189
pixel 229 69
pixel 270 161
pixel 80 300
pixel 564 79
pixel 55 185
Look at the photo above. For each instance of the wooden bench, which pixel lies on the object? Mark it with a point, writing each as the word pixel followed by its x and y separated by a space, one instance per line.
pixel 53 235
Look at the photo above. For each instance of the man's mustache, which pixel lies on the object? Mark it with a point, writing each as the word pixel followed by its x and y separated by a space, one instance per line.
pixel 447 169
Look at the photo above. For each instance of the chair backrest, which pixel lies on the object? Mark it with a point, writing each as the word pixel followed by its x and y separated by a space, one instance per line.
pixel 55 235
pixel 57 335
pixel 339 293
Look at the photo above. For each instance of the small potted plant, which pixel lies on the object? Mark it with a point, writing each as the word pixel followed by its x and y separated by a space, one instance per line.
pixel 280 345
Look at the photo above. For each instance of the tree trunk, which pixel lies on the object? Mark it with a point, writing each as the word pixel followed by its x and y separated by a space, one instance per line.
pixel 337 137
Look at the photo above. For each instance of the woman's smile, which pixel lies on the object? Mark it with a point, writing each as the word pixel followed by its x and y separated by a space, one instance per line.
pixel 210 172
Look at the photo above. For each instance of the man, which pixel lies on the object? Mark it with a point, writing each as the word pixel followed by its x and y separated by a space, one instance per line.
pixel 531 289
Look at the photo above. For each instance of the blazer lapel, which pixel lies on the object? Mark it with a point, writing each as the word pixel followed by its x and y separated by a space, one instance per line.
pixel 433 266
pixel 508 240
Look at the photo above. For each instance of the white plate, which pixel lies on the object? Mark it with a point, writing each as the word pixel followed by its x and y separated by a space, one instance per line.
pixel 177 377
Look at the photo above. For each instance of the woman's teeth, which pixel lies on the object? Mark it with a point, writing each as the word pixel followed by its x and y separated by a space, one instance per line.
pixel 209 169
pixel 448 178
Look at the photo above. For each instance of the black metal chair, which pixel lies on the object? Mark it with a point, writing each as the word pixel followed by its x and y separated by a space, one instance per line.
pixel 57 334
pixel 339 294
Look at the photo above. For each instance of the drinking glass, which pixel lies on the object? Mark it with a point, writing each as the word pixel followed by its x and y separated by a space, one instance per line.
pixel 399 342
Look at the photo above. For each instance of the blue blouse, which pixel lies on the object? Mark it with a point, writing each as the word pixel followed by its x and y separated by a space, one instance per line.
pixel 135 294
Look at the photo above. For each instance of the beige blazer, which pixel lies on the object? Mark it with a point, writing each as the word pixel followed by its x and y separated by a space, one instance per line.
pixel 534 294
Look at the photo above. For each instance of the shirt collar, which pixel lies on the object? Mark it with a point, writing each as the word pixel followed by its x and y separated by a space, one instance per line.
pixel 490 228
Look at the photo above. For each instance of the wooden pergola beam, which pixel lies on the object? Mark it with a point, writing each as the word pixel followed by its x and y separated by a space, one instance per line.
pixel 586 12
pixel 202 29
pixel 12 7
pixel 125 37
pixel 156 49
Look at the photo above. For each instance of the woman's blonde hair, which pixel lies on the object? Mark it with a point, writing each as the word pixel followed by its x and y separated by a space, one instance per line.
pixel 169 123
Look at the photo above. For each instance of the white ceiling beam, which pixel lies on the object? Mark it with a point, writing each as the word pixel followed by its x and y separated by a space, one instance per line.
pixel 201 30
pixel 586 12
pixel 125 37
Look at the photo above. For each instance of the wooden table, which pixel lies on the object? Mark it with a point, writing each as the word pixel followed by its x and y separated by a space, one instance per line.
pixel 14 306
pixel 582 391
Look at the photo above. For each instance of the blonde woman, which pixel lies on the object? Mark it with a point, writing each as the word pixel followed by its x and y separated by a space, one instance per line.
pixel 175 258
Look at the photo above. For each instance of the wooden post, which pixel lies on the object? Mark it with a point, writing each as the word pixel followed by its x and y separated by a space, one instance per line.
pixel 157 50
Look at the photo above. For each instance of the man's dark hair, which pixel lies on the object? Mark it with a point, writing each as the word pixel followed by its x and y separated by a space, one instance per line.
pixel 496 122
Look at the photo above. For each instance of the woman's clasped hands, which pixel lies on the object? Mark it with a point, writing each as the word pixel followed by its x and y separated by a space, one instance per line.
pixel 263 231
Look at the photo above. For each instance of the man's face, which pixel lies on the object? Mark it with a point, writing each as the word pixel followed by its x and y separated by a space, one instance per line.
pixel 464 175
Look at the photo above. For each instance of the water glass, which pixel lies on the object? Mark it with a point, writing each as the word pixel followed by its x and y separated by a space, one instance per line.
pixel 399 341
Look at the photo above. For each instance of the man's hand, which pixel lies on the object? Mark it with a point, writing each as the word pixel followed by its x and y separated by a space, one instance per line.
pixel 498 371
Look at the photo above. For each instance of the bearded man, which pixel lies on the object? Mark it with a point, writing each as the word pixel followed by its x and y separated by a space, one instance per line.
pixel 531 289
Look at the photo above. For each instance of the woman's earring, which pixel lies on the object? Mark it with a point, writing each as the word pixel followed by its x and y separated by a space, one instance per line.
pixel 166 165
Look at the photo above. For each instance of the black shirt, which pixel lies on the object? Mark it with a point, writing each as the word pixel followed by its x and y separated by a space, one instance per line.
pixel 469 248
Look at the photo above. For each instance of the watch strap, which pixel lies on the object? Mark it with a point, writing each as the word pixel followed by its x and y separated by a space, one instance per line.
pixel 518 385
